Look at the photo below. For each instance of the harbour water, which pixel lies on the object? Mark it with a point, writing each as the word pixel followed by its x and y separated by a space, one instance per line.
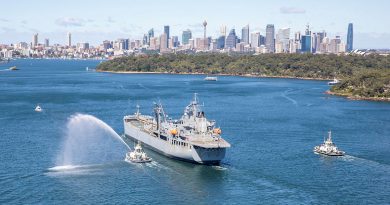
pixel 272 125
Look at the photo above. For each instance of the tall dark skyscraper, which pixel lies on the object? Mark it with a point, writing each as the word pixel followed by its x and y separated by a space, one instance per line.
pixel 350 37
pixel 166 31
pixel 270 38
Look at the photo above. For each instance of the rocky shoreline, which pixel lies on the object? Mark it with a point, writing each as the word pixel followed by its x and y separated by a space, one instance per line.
pixel 353 97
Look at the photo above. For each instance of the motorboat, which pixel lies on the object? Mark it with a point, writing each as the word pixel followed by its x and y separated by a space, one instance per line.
pixel 210 78
pixel 334 82
pixel 13 68
pixel 328 147
pixel 38 108
pixel 138 155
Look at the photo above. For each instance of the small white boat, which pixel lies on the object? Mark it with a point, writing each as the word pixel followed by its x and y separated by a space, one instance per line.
pixel 13 68
pixel 87 69
pixel 138 155
pixel 38 108
pixel 211 78
pixel 328 147
pixel 334 82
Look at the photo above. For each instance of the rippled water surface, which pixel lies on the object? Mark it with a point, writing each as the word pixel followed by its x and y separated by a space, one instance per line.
pixel 272 124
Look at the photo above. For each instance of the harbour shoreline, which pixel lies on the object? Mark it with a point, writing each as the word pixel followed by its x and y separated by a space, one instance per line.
pixel 353 97
pixel 219 74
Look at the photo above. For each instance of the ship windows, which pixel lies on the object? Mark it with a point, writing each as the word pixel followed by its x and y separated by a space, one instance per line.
pixel 163 137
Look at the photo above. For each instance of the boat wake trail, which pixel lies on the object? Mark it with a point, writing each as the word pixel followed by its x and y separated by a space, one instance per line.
pixel 364 161
pixel 142 86
pixel 75 169
pixel 285 95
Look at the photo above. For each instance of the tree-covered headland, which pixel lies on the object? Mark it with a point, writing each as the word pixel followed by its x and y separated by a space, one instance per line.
pixel 361 76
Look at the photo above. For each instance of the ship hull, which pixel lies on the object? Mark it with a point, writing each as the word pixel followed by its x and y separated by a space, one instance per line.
pixel 165 146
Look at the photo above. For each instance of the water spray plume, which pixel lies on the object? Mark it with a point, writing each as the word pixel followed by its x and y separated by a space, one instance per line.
pixel 89 140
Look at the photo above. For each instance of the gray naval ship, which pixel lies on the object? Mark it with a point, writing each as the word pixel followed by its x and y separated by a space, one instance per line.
pixel 192 138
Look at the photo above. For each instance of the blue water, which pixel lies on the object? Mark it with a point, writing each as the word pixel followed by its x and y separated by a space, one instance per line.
pixel 272 124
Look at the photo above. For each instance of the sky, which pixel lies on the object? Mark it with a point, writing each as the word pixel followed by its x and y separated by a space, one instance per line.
pixel 96 20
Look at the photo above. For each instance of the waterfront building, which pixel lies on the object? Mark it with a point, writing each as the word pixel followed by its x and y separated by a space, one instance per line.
pixel 82 46
pixel 186 36
pixel 231 39
pixel 245 35
pixel 350 37
pixel 107 45
pixel 270 38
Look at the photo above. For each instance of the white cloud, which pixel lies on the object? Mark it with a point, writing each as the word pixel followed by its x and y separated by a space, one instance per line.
pixel 4 20
pixel 292 10
pixel 69 21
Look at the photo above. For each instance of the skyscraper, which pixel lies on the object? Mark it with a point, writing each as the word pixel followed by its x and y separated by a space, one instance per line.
pixel 306 41
pixel 255 40
pixel 35 40
pixel 163 42
pixel 186 36
pixel 221 42
pixel 166 31
pixel 245 34
pixel 270 38
pixel 231 39
pixel 69 39
pixel 350 37
pixel 306 44
pixel 282 39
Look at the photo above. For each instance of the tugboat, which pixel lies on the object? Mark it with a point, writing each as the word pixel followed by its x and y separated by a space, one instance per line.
pixel 38 108
pixel 137 156
pixel 328 147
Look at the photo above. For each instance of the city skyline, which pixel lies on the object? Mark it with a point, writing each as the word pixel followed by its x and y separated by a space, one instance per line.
pixel 95 22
